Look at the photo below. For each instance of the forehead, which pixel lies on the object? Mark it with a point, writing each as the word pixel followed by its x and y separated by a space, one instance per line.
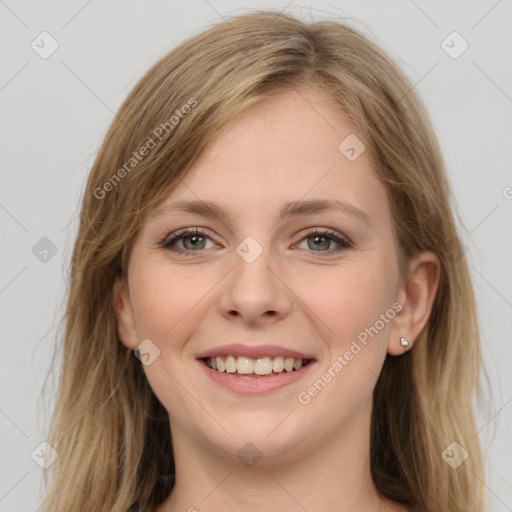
pixel 287 147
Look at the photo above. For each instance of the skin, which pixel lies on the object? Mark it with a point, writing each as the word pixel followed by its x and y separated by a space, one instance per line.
pixel 314 300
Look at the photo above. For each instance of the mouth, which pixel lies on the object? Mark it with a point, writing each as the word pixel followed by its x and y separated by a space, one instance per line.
pixel 253 370
pixel 260 367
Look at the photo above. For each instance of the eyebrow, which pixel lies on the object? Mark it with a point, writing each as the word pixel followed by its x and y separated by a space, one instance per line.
pixel 288 209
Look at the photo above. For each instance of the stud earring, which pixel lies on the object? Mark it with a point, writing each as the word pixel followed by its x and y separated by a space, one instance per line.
pixel 405 343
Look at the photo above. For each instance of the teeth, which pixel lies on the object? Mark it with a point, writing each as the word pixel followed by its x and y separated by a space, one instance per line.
pixel 244 365
pixel 230 364
pixel 261 366
pixel 278 364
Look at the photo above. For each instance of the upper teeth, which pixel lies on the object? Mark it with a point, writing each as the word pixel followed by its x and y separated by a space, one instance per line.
pixel 247 365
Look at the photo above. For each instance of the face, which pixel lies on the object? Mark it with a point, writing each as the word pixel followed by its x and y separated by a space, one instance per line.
pixel 266 281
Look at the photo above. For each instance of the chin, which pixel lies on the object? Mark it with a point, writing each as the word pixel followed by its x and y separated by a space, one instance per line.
pixel 263 436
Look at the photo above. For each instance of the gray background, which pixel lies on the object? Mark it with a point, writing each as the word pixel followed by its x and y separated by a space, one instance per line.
pixel 55 112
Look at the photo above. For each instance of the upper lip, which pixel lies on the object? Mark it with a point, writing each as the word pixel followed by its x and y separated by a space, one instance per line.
pixel 253 351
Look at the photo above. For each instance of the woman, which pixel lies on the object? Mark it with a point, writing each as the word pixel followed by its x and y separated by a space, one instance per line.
pixel 269 305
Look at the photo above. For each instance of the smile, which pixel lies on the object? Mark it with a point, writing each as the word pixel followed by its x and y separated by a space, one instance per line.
pixel 243 366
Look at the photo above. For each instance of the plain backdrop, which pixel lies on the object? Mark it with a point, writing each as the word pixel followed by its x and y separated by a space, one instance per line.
pixel 55 110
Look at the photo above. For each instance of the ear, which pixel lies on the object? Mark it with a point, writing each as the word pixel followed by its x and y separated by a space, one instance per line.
pixel 124 314
pixel 416 295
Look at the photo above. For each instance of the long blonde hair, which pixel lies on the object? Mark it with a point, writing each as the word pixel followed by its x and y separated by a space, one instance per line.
pixel 111 433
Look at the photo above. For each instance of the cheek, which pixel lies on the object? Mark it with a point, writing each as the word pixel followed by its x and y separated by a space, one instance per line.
pixel 167 303
pixel 347 300
pixel 163 299
pixel 356 338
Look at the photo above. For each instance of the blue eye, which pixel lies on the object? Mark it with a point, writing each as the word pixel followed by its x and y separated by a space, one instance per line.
pixel 196 237
pixel 195 241
pixel 323 237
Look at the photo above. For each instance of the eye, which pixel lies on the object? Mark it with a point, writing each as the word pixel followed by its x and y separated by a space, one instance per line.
pixel 193 240
pixel 323 239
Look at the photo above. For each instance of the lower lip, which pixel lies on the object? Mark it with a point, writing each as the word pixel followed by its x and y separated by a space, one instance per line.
pixel 255 385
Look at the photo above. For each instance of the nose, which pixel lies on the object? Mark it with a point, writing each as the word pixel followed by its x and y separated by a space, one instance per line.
pixel 254 291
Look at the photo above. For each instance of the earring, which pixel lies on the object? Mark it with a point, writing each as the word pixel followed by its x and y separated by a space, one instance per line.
pixel 405 343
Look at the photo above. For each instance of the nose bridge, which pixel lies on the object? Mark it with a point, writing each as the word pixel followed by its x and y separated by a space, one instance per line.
pixel 254 288
pixel 250 250
pixel 252 264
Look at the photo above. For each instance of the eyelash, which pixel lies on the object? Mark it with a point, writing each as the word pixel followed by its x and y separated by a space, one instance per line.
pixel 328 233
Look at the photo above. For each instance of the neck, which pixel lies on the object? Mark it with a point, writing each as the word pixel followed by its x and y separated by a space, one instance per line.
pixel 333 475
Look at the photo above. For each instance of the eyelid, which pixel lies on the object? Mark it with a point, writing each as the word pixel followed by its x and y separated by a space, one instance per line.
pixel 184 231
pixel 338 238
pixel 325 231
